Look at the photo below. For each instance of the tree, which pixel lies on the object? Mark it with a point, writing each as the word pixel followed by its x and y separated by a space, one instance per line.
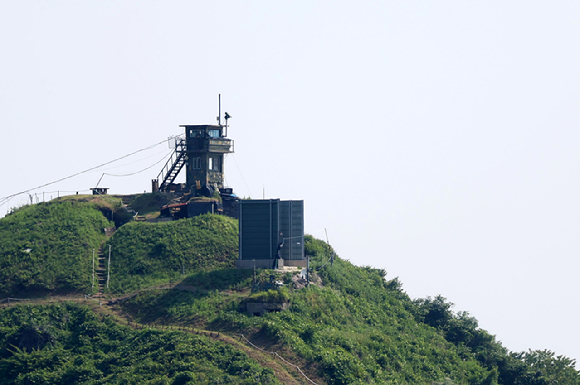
pixel 434 312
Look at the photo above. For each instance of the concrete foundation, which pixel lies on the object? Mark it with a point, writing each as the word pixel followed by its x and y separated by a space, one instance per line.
pixel 268 263
pixel 295 262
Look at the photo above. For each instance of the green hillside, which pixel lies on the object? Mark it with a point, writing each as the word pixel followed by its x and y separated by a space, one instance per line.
pixel 351 326
pixel 148 253
pixel 357 328
pixel 48 247
pixel 69 344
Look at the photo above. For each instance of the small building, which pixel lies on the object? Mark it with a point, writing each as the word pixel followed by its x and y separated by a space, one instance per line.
pixel 271 233
pixel 210 206
pixel 99 190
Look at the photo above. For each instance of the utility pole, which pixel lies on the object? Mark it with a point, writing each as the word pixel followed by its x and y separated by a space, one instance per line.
pixel 109 267
pixel 307 271
pixel 93 281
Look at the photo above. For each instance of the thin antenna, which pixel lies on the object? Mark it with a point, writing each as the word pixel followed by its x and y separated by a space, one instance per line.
pixel 219 118
pixel 329 250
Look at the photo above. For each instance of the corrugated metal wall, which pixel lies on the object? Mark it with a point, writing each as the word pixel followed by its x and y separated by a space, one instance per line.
pixel 258 228
pixel 292 229
pixel 262 221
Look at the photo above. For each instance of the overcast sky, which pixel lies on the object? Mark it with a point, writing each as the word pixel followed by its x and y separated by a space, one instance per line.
pixel 436 140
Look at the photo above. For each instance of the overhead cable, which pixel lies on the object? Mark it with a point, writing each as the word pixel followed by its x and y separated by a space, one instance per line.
pixel 5 199
pixel 136 172
pixel 242 175
pixel 137 161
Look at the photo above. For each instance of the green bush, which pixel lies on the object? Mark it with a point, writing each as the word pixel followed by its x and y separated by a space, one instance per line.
pixel 278 295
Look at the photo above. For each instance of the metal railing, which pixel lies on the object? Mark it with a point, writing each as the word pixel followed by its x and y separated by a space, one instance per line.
pixel 171 162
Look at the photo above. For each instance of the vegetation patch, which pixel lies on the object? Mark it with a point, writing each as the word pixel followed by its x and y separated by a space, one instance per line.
pixel 48 247
pixel 69 344
pixel 223 279
pixel 145 253
pixel 270 296
pixel 148 204
pixel 357 327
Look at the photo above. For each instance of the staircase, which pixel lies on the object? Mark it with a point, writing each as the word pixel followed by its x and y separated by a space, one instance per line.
pixel 173 166
pixel 126 199
pixel 101 273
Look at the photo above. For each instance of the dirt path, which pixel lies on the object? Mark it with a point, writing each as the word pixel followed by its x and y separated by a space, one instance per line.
pixel 284 372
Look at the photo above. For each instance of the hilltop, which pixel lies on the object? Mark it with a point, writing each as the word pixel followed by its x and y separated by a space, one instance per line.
pixel 178 314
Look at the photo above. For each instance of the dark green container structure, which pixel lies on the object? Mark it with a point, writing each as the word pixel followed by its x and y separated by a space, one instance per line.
pixel 267 225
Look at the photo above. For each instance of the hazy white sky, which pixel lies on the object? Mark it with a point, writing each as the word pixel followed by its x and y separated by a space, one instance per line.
pixel 436 140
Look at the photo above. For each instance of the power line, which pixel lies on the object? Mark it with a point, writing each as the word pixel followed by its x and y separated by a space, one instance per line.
pixel 242 175
pixel 136 172
pixel 137 161
pixel 7 198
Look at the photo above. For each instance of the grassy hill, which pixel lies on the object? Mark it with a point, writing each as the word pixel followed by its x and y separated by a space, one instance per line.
pixel 48 247
pixel 148 253
pixel 352 327
pixel 70 344
pixel 358 328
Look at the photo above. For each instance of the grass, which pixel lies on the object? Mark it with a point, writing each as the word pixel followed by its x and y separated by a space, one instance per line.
pixel 48 246
pixel 357 328
pixel 145 253
pixel 148 204
pixel 69 344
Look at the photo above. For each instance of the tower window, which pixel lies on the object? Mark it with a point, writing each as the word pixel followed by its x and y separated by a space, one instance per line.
pixel 214 133
pixel 195 134
pixel 214 163
pixel 195 163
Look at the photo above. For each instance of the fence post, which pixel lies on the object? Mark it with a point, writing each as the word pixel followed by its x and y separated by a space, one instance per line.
pixel 109 267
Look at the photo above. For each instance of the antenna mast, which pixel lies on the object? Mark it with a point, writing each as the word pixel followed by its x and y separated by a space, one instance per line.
pixel 219 118
pixel 329 249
